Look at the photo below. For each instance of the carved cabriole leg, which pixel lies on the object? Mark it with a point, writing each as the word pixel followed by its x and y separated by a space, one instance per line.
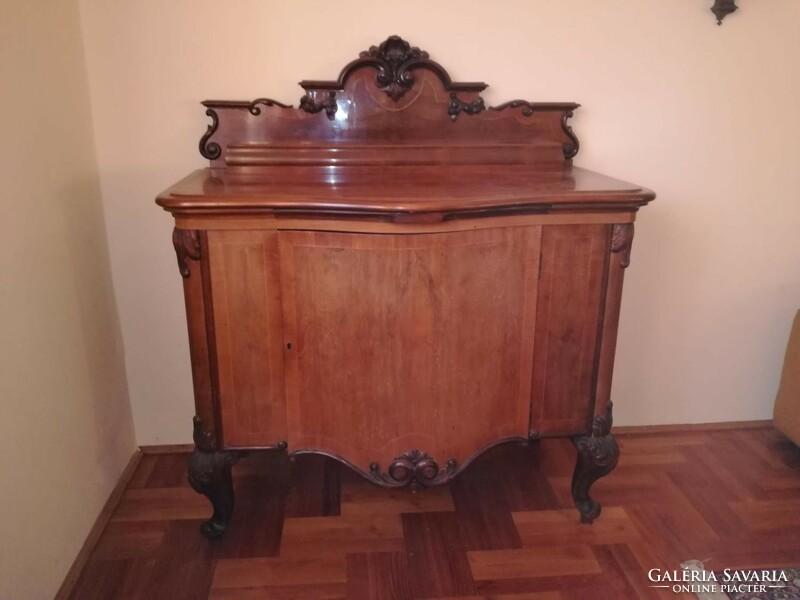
pixel 598 454
pixel 210 475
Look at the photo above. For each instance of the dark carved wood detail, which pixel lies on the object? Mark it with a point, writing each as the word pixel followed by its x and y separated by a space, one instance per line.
pixel 210 475
pixel 457 105
pixel 598 454
pixel 395 62
pixel 255 109
pixel 204 439
pixel 210 150
pixel 187 246
pixel 311 104
pixel 622 241
pixel 440 476
pixel 394 59
pixel 414 469
pixel 722 8
pixel 573 145
pixel 570 148
pixel 527 107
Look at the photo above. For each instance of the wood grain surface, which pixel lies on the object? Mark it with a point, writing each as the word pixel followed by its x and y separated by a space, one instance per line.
pixel 400 342
pixel 569 313
pixel 249 340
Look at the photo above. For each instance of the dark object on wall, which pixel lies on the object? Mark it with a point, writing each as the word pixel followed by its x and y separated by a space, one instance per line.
pixel 722 8
pixel 399 277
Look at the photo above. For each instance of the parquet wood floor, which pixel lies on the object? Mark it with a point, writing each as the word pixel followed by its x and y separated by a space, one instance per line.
pixel 505 529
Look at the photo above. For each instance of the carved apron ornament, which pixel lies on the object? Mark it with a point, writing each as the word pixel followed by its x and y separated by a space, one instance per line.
pixel 414 469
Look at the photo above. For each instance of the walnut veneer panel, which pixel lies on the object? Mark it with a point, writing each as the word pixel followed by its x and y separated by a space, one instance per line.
pixel 571 284
pixel 246 304
pixel 408 341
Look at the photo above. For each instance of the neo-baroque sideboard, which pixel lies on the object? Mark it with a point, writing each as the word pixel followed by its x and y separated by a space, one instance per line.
pixel 398 276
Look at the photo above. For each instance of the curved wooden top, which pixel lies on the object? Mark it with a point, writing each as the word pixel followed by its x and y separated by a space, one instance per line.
pixel 396 192
pixel 393 136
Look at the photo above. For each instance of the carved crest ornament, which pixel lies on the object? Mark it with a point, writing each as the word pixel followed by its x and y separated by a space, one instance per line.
pixel 394 61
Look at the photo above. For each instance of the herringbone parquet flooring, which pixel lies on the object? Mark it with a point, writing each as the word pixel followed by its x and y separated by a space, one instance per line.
pixel 505 529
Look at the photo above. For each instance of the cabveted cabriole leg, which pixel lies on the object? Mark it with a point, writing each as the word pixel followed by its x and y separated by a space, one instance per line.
pixel 210 475
pixel 598 454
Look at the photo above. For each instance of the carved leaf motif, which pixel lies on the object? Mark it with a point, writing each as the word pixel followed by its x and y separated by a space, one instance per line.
pixel 394 50
pixel 393 58
pixel 622 241
pixel 187 246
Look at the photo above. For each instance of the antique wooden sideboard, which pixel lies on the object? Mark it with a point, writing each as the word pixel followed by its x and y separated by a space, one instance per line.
pixel 398 276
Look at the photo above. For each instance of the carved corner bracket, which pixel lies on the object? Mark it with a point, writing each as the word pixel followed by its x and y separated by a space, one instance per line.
pixel 571 147
pixel 722 8
pixel 210 150
pixel 622 241
pixel 414 469
pixel 187 246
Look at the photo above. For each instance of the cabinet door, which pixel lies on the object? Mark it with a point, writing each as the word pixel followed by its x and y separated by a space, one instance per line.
pixel 569 315
pixel 403 342
pixel 245 298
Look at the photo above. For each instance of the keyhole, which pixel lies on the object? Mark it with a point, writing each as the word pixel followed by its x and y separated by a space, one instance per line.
pixel 289 346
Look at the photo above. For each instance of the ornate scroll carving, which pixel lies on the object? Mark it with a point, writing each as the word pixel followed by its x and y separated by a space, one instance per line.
pixel 210 475
pixel 208 149
pixel 187 246
pixel 311 104
pixel 722 8
pixel 573 145
pixel 457 105
pixel 255 109
pixel 415 469
pixel 622 241
pixel 598 454
pixel 527 107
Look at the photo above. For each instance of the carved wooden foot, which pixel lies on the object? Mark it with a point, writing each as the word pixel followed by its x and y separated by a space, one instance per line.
pixel 210 475
pixel 598 454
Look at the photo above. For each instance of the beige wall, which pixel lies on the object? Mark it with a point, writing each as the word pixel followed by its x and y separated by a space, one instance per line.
pixel 66 431
pixel 704 115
